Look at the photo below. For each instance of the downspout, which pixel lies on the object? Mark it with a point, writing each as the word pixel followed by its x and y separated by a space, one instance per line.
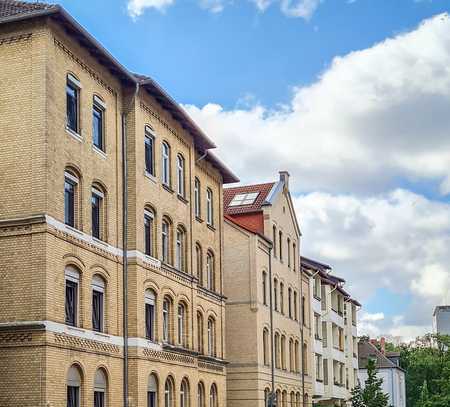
pixel 271 326
pixel 125 248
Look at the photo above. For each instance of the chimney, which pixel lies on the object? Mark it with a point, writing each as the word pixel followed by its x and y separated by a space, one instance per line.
pixel 284 177
pixel 383 345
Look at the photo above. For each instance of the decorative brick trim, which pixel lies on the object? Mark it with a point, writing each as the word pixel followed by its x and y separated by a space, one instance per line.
pixel 12 338
pixel 169 356
pixel 210 366
pixel 82 343
pixel 15 38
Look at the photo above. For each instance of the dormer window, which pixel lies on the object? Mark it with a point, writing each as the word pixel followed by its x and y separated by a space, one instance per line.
pixel 244 199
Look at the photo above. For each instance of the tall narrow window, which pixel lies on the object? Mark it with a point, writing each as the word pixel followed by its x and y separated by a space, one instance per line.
pixel 165 238
pixel 73 387
pixel 275 294
pixel 72 278
pixel 100 388
pixel 98 292
pixel 70 189
pixel 274 240
pixel 168 393
pixel 201 395
pixel 290 302
pixel 295 306
pixel 180 175
pixel 97 213
pixel 98 123
pixel 72 103
pixel 211 337
pixel 305 358
pixel 213 400
pixel 197 202
pixel 283 352
pixel 149 151
pixel 277 350
pixel 199 263
pixel 166 319
pixel 148 232
pixel 294 253
pixel 166 164
pixel 200 333
pixel 289 252
pixel 264 287
pixel 296 356
pixel 280 244
pixel 181 325
pixel 209 207
pixel 210 272
pixel 180 263
pixel 303 311
pixel 152 391
pixel 266 346
pixel 282 298
pixel 291 355
pixel 150 315
pixel 184 394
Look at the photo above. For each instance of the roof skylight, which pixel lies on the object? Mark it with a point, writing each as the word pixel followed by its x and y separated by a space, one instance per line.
pixel 244 199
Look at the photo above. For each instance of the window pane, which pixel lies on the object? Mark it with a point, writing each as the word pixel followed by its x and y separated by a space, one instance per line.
pixel 96 202
pixel 97 126
pixel 149 155
pixel 97 311
pixel 148 235
pixel 71 302
pixel 73 396
pixel 72 107
pixel 69 203
pixel 150 321
pixel 99 399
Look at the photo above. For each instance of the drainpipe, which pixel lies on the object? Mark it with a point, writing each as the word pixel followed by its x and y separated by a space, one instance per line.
pixel 125 248
pixel 271 326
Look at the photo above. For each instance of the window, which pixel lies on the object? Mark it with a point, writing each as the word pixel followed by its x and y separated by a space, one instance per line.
pixel 182 324
pixel 200 343
pixel 100 388
pixel 294 252
pixel 211 337
pixel 152 391
pixel 165 239
pixel 319 366
pixel 275 294
pixel 298 399
pixel 264 287
pixel 317 327
pixel 73 387
pixel 97 213
pixel 296 356
pixel 325 371
pixel 283 352
pixel 290 302
pixel 166 164
pixel 213 400
pixel 98 123
pixel 305 358
pixel 184 394
pixel 180 263
pixel 209 207
pixel 317 288
pixel 280 234
pixel 72 277
pixel 244 199
pixel 289 252
pixel 284 399
pixel 274 240
pixel 168 393
pixel 149 232
pixel 197 201
pixel 277 350
pixel 304 310
pixel 201 395
pixel 266 347
pixel 98 292
pixel 150 304
pixel 291 356
pixel 70 196
pixel 324 334
pixel 292 399
pixel 199 263
pixel 210 272
pixel 266 396
pixel 180 176
pixel 282 298
pixel 73 87
pixel 166 319
pixel 295 306
pixel 149 151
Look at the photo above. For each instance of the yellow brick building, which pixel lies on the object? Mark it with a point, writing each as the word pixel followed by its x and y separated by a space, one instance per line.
pixel 72 122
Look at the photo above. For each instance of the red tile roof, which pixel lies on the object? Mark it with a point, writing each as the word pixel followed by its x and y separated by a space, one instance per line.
pixel 230 193
pixel 9 8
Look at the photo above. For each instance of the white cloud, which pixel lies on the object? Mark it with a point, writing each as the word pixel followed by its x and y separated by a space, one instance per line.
pixel 300 8
pixel 366 317
pixel 137 7
pixel 214 6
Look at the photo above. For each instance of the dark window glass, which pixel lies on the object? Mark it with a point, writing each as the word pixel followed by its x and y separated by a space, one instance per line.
pixel 71 302
pixel 150 321
pixel 97 126
pixel 72 107
pixel 97 310
pixel 73 396
pixel 99 399
pixel 148 230
pixel 69 203
pixel 96 202
pixel 151 399
pixel 149 155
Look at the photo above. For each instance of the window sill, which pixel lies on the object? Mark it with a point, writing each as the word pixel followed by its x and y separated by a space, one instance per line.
pixel 182 199
pixel 73 229
pixel 100 152
pixel 74 134
pixel 99 241
pixel 101 334
pixel 198 219
pixel 211 227
pixel 150 176
pixel 167 188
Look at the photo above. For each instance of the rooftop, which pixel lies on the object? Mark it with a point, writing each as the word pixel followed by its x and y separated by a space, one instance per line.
pixel 368 351
pixel 257 191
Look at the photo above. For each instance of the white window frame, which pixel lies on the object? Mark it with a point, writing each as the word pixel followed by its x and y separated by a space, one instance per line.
pixel 165 173
pixel 209 207
pixel 181 190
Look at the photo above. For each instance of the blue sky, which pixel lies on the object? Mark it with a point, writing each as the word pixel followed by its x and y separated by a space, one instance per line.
pixel 352 97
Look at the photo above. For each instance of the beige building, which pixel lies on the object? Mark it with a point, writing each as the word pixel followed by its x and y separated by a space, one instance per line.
pixel 334 329
pixel 262 240
pixel 66 242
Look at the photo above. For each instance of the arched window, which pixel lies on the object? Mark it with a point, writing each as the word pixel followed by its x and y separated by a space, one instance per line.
pixel 289 251
pixel 167 311
pixel 149 150
pixel 264 287
pixel 278 398
pixel 296 356
pixel 295 306
pixel 98 123
pixel 165 240
pixel 149 232
pixel 283 352
pixel 150 320
pixel 305 400
pixel 282 298
pixel 184 393
pixel 291 355
pixel 100 388
pixel 280 244
pixel 72 278
pixel 266 396
pixel 181 190
pixel 169 393
pixel 180 252
pixel 152 391
pixel 209 207
pixel 71 198
pixel 305 358
pixel 201 395
pixel 213 399
pixel 182 325
pixel 199 263
pixel 303 310
pixel 98 308
pixel 210 272
pixel 294 253
pixel 197 200
pixel 284 399
pixel 274 240
pixel 266 347
pixel 277 350
pixel 73 89
pixel 211 337
pixel 165 173
pixel 298 399
pixel 200 343
pixel 98 211
pixel 275 294
pixel 292 400
pixel 73 387
pixel 290 302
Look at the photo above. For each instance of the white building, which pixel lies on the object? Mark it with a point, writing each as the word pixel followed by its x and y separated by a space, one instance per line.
pixel 388 369
pixel 441 320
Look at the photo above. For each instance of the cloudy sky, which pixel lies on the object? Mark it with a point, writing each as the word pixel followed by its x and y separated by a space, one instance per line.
pixel 351 96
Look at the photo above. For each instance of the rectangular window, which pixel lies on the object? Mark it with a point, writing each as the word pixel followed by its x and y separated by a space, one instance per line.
pixel 150 321
pixel 148 234
pixel 69 202
pixel 72 101
pixel 209 207
pixel 73 396
pixel 150 154
pixel 197 197
pixel 96 201
pixel 165 321
pixel 71 302
pixel 166 164
pixel 97 310
pixel 99 399
pixel 98 113
pixel 165 242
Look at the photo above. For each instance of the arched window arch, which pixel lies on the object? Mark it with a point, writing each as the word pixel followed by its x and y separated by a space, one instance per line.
pixel 72 284
pixel 180 250
pixel 275 294
pixel 284 399
pixel 152 391
pixel 169 393
pixel 98 212
pixel 264 287
pixel 165 164
pixel 184 393
pixel 98 303
pixel 278 398
pixel 266 347
pixel 283 352
pixel 72 198
pixel 182 324
pixel 149 150
pixel 282 298
pixel 210 271
pixel 150 315
pixel 197 198
pixel 201 395
pixel 167 319
pixel 74 383
pixel 181 182
pixel 211 336
pixel 298 400
pixel 166 238
pixel 305 400
pixel 292 400
pixel 213 398
pixel 149 232
pixel 100 387
pixel 199 263
pixel 200 333
pixel 277 350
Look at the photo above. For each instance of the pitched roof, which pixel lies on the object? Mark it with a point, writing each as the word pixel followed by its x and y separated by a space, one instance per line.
pixel 263 191
pixel 10 8
pixel 368 351
pixel 314 264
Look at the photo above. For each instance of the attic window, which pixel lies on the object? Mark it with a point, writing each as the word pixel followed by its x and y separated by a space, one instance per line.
pixel 244 199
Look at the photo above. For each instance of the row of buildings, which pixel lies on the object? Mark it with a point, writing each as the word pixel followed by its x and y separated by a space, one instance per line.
pixel 128 275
